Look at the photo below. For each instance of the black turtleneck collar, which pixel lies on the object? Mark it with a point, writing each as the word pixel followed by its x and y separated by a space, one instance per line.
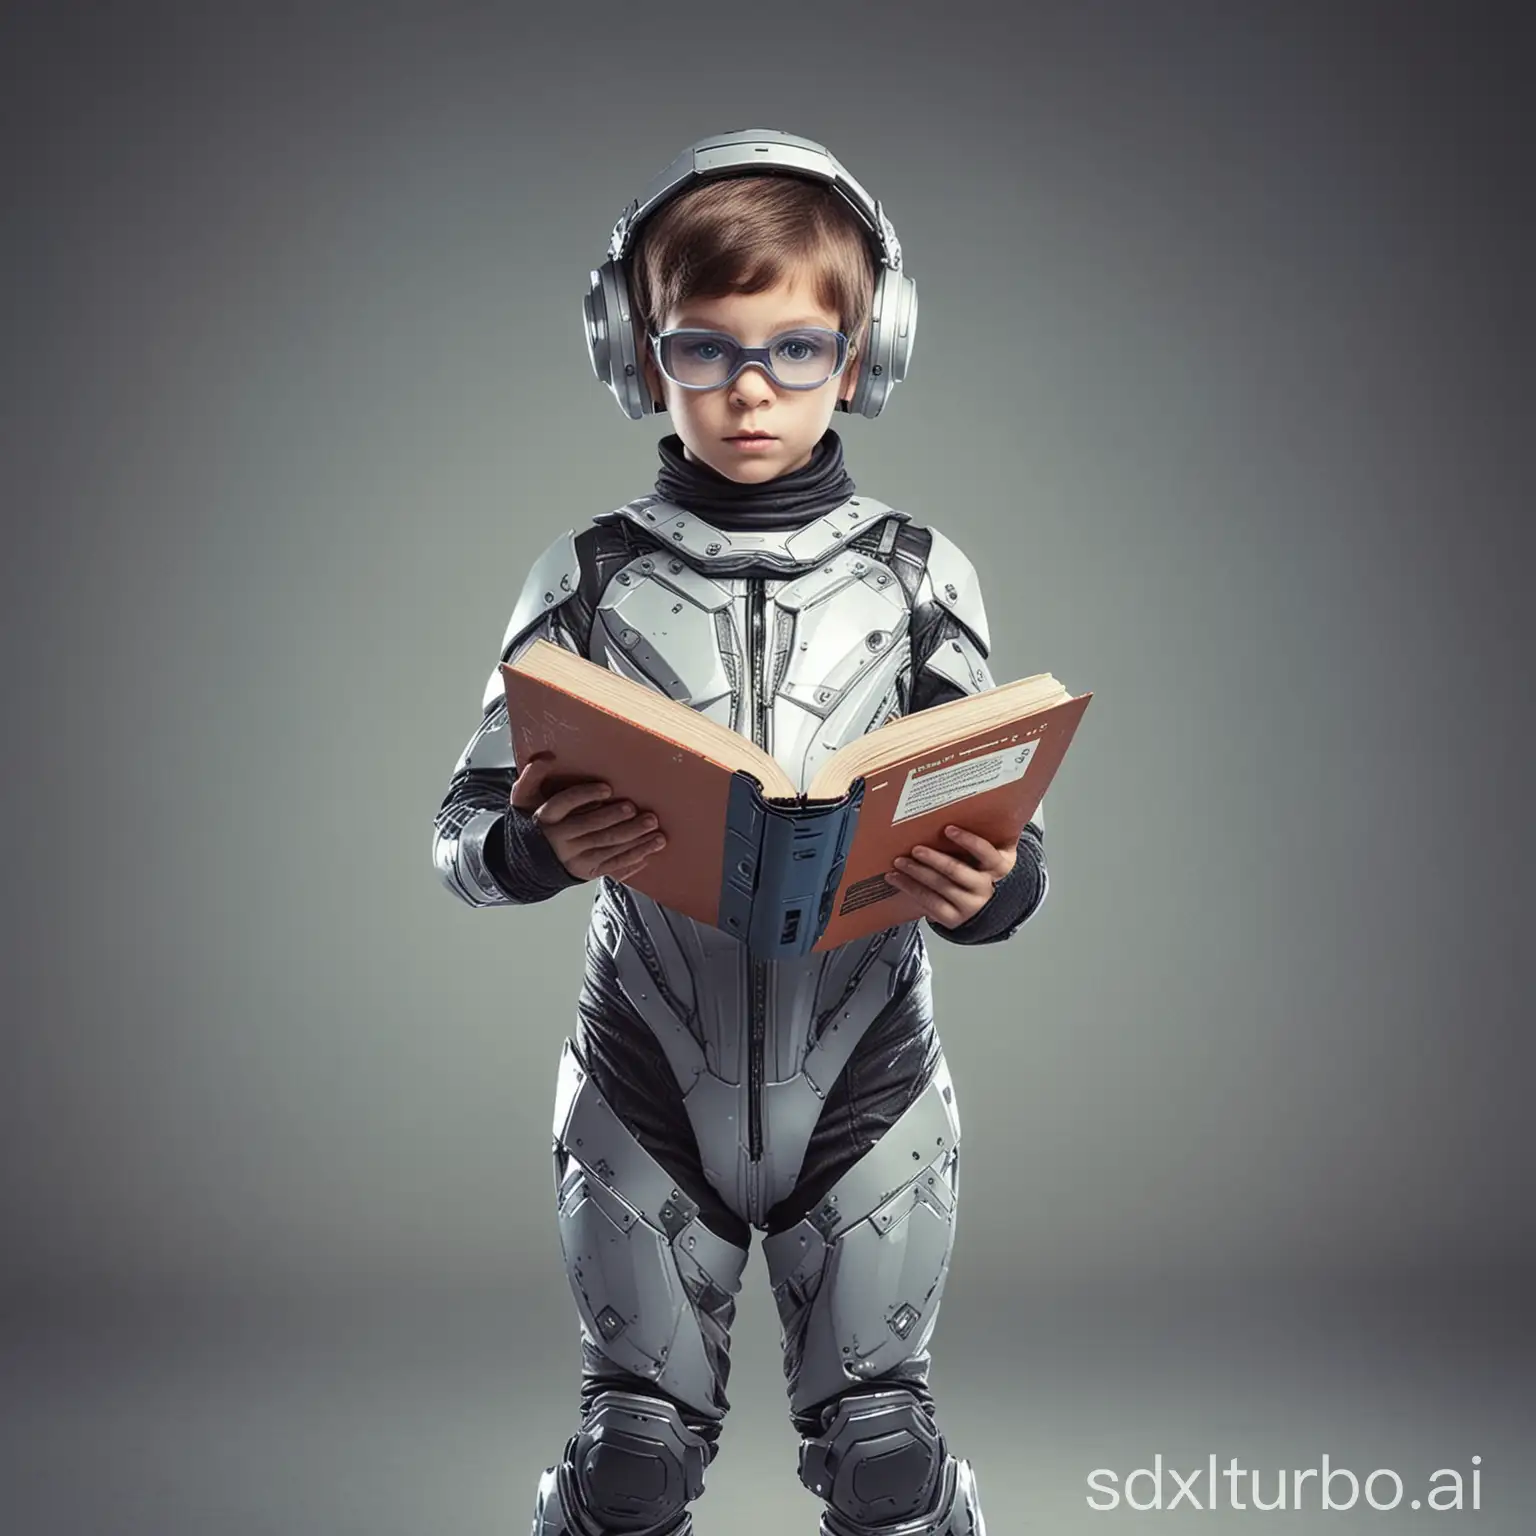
pixel 788 501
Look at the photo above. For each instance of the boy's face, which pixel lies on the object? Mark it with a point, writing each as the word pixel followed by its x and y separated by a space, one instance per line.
pixel 795 419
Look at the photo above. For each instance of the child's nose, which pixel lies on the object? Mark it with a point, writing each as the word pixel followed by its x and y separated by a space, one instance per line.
pixel 752 383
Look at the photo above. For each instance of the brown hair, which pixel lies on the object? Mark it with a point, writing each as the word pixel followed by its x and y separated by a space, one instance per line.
pixel 742 234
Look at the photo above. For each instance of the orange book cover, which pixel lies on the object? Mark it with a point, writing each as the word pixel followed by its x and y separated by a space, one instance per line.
pixel 687 791
pixel 988 782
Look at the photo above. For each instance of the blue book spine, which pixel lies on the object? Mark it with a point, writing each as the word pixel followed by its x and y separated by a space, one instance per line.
pixel 782 867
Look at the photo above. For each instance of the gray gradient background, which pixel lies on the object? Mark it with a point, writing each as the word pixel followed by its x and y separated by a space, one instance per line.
pixel 1217 382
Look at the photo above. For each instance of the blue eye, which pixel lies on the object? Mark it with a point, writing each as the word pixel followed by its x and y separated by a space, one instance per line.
pixel 801 349
pixel 704 351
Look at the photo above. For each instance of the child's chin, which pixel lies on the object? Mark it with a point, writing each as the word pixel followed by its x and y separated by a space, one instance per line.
pixel 747 471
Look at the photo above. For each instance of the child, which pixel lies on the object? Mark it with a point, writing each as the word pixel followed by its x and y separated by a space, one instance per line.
pixel 706 1093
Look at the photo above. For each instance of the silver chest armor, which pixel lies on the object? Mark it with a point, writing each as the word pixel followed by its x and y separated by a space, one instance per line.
pixel 809 651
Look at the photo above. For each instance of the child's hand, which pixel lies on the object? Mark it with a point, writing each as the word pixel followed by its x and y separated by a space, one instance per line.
pixel 948 889
pixel 604 840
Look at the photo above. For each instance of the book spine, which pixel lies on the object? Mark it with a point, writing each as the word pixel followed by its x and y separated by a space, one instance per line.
pixel 782 867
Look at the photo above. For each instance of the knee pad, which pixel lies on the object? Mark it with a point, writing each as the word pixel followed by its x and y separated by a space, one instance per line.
pixel 636 1465
pixel 878 1459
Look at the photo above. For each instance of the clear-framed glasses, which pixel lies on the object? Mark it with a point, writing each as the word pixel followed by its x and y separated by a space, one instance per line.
pixel 804 358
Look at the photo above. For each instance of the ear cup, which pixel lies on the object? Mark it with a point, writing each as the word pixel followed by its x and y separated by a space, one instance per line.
pixel 888 346
pixel 616 339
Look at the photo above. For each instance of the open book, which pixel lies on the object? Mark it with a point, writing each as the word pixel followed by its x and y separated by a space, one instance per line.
pixel 746 851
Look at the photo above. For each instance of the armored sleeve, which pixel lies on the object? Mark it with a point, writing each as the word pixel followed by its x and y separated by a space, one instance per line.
pixel 950 645
pixel 486 851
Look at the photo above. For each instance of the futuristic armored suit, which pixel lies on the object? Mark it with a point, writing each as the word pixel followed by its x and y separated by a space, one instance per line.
pixel 706 1092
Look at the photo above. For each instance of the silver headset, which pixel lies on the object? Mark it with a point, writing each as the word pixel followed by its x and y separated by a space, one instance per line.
pixel 616 333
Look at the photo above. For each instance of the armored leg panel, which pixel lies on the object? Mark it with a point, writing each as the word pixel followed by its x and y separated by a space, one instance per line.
pixel 655 1290
pixel 858 1283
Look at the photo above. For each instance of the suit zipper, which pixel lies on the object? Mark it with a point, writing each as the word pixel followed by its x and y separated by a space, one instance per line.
pixel 757 972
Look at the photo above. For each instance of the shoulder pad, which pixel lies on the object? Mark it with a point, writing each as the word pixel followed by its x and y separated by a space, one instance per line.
pixel 495 687
pixel 960 661
pixel 955 586
pixel 632 513
pixel 551 580
pixel 490 750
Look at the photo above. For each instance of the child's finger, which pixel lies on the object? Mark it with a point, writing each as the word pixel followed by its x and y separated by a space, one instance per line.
pixel 612 827
pixel 987 855
pixel 931 902
pixel 631 861
pixel 565 802
pixel 950 877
